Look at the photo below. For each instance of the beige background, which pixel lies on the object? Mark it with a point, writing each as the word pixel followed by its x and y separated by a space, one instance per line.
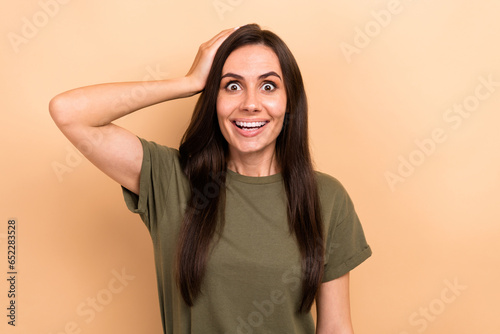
pixel 424 179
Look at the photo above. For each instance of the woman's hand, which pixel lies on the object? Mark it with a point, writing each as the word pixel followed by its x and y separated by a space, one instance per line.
pixel 198 73
pixel 87 113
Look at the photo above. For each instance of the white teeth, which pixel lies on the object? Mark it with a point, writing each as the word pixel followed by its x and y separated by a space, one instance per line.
pixel 250 124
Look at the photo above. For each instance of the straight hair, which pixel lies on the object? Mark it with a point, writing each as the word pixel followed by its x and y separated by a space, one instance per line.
pixel 203 156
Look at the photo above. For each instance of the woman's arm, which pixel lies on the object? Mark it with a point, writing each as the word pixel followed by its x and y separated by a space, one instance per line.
pixel 333 307
pixel 85 115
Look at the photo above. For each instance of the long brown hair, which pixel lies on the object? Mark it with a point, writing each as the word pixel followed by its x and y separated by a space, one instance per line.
pixel 203 153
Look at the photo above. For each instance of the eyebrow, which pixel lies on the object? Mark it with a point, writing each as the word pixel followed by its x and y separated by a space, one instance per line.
pixel 265 75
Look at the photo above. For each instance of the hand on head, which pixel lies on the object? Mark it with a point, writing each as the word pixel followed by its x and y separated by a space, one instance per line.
pixel 202 63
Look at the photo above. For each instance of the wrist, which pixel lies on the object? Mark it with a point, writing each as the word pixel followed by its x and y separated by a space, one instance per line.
pixel 193 85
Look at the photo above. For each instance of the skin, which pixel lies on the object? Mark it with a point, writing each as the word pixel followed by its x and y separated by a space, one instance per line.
pixel 85 116
pixel 333 307
pixel 252 90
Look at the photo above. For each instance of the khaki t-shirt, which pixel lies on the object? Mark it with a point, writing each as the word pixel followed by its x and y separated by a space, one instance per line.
pixel 253 276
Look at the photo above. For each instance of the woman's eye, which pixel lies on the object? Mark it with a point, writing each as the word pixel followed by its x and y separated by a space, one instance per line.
pixel 268 87
pixel 233 86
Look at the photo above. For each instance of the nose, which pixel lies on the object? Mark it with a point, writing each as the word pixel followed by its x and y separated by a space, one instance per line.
pixel 251 101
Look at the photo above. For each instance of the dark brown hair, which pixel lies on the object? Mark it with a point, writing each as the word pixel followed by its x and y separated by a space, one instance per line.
pixel 203 153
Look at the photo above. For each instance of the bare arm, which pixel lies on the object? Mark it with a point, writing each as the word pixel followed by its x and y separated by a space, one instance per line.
pixel 333 307
pixel 85 115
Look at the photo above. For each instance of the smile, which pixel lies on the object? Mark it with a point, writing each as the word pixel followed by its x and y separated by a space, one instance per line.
pixel 249 126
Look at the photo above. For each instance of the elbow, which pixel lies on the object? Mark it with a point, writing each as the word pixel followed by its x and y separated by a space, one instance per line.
pixel 57 110
pixel 62 110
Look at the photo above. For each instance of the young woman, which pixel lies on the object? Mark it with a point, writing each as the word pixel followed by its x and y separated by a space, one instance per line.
pixel 246 234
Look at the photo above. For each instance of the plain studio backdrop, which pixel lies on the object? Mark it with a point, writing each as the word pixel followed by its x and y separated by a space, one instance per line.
pixel 404 101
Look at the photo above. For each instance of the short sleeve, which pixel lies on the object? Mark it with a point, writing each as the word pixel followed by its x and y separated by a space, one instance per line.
pixel 346 246
pixel 156 171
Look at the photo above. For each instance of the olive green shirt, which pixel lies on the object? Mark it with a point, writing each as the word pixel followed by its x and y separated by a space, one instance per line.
pixel 253 279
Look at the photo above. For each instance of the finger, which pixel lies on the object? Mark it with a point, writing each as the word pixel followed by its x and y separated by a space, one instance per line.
pixel 209 48
pixel 221 37
pixel 223 33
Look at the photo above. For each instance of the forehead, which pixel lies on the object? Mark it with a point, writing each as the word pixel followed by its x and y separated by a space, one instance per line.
pixel 252 60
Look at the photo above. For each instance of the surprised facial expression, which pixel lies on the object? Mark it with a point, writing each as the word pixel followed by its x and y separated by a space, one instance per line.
pixel 251 103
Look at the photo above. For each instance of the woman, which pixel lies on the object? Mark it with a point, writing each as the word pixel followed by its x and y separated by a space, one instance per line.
pixel 246 235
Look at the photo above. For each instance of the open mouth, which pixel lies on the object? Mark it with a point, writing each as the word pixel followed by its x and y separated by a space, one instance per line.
pixel 250 125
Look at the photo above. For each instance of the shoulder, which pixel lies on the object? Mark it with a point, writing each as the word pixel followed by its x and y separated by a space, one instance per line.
pixel 155 148
pixel 329 186
pixel 160 161
pixel 155 153
pixel 334 198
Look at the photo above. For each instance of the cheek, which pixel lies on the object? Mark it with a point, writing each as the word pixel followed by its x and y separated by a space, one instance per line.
pixel 223 106
pixel 220 119
pixel 222 114
pixel 277 108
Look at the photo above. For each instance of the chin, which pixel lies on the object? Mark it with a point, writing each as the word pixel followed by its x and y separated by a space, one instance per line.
pixel 250 148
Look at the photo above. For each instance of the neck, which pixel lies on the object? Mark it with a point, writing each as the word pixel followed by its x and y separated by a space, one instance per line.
pixel 253 164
